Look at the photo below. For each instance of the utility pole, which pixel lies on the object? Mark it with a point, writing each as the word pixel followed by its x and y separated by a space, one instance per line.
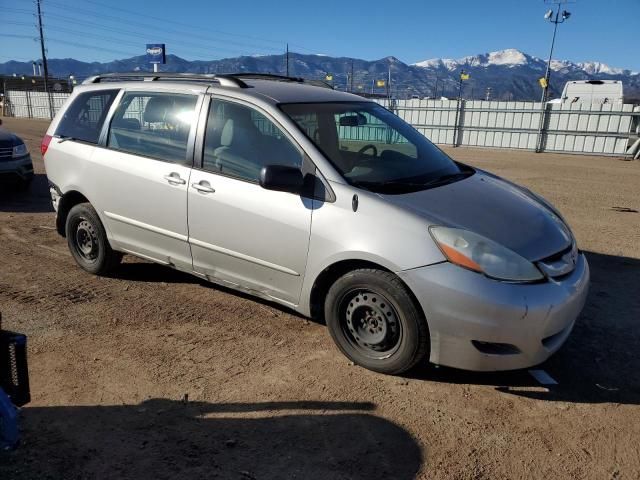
pixel 435 87
pixel 44 58
pixel 351 78
pixel 463 76
pixel 389 86
pixel 287 59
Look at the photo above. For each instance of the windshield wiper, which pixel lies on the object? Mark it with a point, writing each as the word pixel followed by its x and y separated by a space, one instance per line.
pixel 64 138
pixel 391 183
pixel 443 179
pixel 448 178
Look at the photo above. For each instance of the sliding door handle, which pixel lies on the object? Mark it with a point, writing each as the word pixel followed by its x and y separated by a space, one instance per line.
pixel 203 187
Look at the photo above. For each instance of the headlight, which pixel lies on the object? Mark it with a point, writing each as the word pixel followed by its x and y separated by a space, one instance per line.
pixel 19 150
pixel 475 252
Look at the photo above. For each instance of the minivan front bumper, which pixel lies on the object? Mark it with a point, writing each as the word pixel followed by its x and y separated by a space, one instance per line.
pixel 481 324
pixel 20 167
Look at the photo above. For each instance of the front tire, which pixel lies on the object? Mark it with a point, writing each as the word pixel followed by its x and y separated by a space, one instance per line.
pixel 88 241
pixel 375 322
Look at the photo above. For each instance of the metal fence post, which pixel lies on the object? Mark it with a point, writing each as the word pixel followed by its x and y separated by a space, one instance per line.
pixel 50 104
pixel 29 108
pixel 542 129
pixel 457 127
pixel 5 99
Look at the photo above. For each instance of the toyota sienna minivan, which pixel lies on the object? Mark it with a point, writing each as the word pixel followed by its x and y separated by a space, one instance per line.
pixel 322 201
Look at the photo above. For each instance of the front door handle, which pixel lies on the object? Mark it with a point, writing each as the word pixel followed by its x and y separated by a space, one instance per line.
pixel 174 179
pixel 203 187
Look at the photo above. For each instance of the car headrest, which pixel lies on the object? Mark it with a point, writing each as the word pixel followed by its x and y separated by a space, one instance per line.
pixel 226 137
pixel 157 109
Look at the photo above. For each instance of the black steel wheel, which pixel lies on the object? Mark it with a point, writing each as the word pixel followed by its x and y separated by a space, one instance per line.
pixel 87 241
pixel 375 322
pixel 370 322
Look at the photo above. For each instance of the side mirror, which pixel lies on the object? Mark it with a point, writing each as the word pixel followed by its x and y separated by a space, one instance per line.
pixel 281 178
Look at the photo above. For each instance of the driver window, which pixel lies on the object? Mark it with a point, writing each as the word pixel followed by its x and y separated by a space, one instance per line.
pixel 361 132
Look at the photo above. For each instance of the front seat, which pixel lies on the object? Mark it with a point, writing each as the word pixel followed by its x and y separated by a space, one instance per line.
pixel 239 152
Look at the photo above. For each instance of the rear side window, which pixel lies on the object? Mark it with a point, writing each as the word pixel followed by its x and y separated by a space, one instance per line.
pixel 155 125
pixel 84 118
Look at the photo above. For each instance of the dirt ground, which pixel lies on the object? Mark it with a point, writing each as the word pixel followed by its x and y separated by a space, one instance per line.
pixel 154 374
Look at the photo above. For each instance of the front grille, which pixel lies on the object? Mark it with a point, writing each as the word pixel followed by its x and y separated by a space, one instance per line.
pixel 6 150
pixel 561 263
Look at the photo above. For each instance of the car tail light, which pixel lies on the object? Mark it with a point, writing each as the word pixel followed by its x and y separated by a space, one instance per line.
pixel 45 144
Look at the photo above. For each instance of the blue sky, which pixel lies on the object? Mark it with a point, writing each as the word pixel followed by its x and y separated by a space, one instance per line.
pixel 412 30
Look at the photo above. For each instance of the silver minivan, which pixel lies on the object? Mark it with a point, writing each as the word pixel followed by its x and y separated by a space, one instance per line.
pixel 322 201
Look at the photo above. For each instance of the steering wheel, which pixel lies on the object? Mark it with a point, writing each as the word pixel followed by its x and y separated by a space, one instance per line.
pixel 368 147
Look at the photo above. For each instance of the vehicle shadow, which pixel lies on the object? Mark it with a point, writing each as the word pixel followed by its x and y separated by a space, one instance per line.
pixel 34 200
pixel 137 270
pixel 162 438
pixel 600 361
pixel 142 271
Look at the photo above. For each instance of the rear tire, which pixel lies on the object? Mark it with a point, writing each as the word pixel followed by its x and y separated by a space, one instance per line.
pixel 375 322
pixel 88 241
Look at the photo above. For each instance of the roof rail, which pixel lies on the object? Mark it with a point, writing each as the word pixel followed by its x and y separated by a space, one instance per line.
pixel 280 78
pixel 223 80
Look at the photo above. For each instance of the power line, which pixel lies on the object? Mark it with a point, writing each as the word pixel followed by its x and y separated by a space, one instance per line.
pixel 192 46
pixel 66 42
pixel 172 22
pixel 118 39
pixel 137 24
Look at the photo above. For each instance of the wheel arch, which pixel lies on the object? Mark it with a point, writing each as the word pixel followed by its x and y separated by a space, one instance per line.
pixel 330 274
pixel 67 202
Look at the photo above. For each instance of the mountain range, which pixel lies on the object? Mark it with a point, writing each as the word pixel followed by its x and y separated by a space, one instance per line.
pixel 509 74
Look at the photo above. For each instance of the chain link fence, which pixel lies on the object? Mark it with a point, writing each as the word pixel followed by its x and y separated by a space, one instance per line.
pixel 30 97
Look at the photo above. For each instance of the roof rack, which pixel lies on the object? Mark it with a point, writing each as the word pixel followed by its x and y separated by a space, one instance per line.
pixel 223 80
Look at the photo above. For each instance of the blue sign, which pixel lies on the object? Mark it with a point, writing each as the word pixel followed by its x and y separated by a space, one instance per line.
pixel 156 53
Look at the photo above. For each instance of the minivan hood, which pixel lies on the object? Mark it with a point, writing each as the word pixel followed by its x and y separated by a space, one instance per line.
pixel 494 208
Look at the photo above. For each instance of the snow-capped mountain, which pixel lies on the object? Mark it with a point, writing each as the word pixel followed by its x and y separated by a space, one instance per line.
pixel 510 73
pixel 513 74
pixel 512 57
pixel 509 57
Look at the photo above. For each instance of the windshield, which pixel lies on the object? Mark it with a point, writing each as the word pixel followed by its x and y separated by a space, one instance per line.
pixel 373 148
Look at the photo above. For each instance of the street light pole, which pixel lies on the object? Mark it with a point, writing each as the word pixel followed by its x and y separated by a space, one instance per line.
pixel 556 19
